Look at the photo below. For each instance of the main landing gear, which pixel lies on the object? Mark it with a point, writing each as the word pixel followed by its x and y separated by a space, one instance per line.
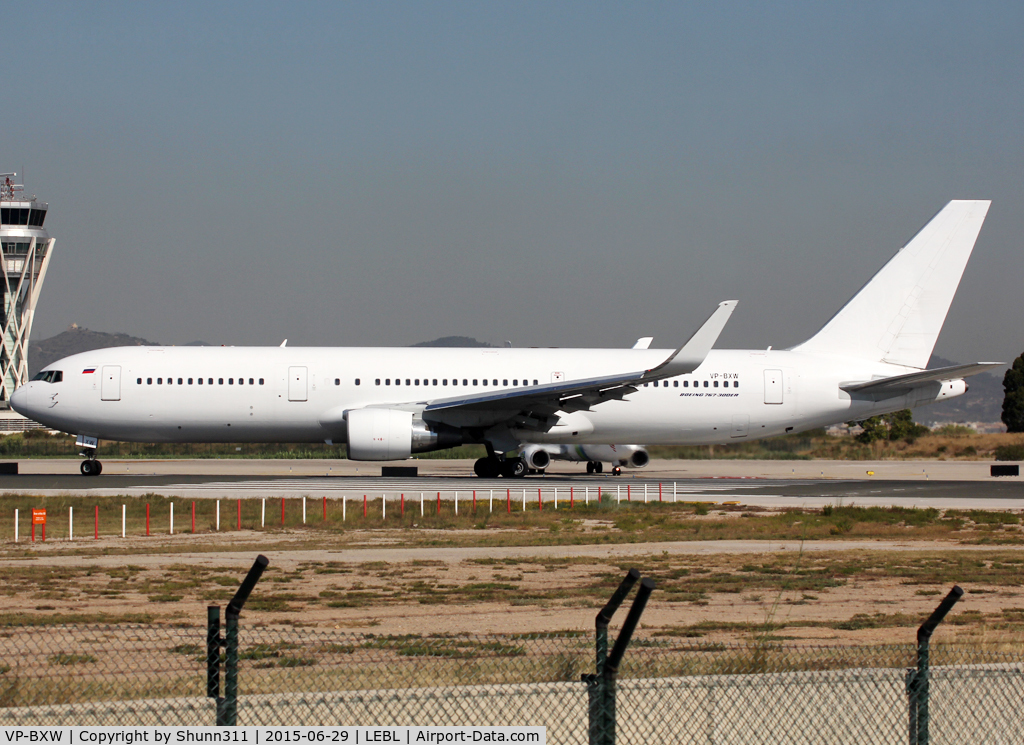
pixel 91 467
pixel 595 466
pixel 492 467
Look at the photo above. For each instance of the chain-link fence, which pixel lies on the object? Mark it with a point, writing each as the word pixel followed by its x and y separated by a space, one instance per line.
pixel 667 689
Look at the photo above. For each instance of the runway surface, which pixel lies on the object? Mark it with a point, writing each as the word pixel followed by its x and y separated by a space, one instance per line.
pixel 914 486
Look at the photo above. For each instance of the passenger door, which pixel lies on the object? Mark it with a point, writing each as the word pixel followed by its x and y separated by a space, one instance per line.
pixel 110 383
pixel 773 386
pixel 297 384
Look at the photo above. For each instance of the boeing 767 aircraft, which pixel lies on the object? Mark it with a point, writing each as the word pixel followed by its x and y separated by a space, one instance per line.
pixel 387 403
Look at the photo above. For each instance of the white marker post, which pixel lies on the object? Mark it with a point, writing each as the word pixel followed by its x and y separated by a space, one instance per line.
pixel 15 526
pixel 618 495
pixel 218 515
pixel 645 493
pixel 421 504
pixel 586 495
pixel 492 500
pixel 124 515
pixel 303 509
pixel 456 503
pixel 71 523
pixel 344 499
pixel 383 506
pixel 263 512
pixel 556 497
pixel 673 492
pixel 172 518
pixel 524 500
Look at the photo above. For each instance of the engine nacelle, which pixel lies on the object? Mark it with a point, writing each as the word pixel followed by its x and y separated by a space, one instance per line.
pixel 390 434
pixel 536 457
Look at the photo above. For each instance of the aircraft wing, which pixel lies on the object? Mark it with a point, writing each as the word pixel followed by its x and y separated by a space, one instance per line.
pixel 485 409
pixel 898 383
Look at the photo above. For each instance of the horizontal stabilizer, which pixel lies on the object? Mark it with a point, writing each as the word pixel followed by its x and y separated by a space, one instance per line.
pixel 691 355
pixel 898 383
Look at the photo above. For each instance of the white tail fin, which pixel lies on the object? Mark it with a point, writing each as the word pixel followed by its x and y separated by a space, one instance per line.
pixel 897 316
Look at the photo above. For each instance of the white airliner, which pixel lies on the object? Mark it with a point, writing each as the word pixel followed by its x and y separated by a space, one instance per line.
pixel 386 403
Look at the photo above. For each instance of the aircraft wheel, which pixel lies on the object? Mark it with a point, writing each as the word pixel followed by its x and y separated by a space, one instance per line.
pixel 90 468
pixel 99 467
pixel 590 466
pixel 617 471
pixel 598 467
pixel 513 468
pixel 487 468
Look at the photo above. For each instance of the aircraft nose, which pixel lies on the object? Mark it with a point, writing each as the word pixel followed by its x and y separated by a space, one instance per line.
pixel 19 400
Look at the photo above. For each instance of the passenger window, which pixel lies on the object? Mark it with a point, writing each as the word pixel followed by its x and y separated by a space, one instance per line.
pixel 220 381
pixel 705 384
pixel 231 381
pixel 465 382
pixel 417 381
pixel 725 384
pixel 209 381
pixel 378 381
pixel 504 383
pixel 535 382
pixel 190 381
pixel 716 384
pixel 495 381
pixel 250 382
pixel 179 381
pixel 485 381
pixel 200 381
pixel 455 381
pixel 435 381
pixel 407 381
pixel 261 381
pixel 398 381
pixel 139 381
pixel 149 381
pixel 475 383
pixel 170 381
pixel 645 385
pixel 735 384
pixel 686 384
pixel 675 383
pixel 159 381
pixel 515 382
pixel 444 381
pixel 357 381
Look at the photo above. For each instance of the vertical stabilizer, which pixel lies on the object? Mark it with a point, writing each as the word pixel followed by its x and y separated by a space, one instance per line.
pixel 897 316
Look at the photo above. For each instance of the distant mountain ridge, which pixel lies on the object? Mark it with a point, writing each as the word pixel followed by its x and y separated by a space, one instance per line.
pixel 78 339
pixel 75 340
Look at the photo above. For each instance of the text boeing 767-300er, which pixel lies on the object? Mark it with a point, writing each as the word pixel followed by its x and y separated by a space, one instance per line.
pixel 387 403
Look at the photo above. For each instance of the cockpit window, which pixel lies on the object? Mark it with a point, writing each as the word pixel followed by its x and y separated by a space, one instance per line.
pixel 50 376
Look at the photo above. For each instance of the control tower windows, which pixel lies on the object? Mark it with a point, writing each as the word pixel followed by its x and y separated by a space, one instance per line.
pixel 36 218
pixel 14 215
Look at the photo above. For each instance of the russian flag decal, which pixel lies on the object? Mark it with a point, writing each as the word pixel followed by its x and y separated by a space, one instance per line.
pixel 88 370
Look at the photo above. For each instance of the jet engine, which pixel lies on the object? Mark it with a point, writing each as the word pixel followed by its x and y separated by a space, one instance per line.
pixel 390 434
pixel 536 457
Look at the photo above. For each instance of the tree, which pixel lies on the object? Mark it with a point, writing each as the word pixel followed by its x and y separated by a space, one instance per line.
pixel 1013 396
pixel 897 425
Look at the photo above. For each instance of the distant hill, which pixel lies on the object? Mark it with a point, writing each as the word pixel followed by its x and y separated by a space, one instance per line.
pixel 453 341
pixel 983 401
pixel 73 341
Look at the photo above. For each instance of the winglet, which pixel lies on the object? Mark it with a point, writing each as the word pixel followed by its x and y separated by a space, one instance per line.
pixel 644 342
pixel 284 343
pixel 689 357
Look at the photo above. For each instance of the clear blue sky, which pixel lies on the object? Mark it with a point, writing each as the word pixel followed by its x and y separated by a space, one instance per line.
pixel 569 174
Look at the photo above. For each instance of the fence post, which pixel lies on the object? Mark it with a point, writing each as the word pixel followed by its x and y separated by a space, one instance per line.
pixel 597 692
pixel 227 706
pixel 918 679
pixel 15 526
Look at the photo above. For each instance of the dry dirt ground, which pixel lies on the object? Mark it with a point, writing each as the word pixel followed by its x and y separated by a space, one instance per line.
pixel 861 591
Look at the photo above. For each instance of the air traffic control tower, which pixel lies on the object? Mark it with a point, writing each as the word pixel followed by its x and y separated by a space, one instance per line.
pixel 26 254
